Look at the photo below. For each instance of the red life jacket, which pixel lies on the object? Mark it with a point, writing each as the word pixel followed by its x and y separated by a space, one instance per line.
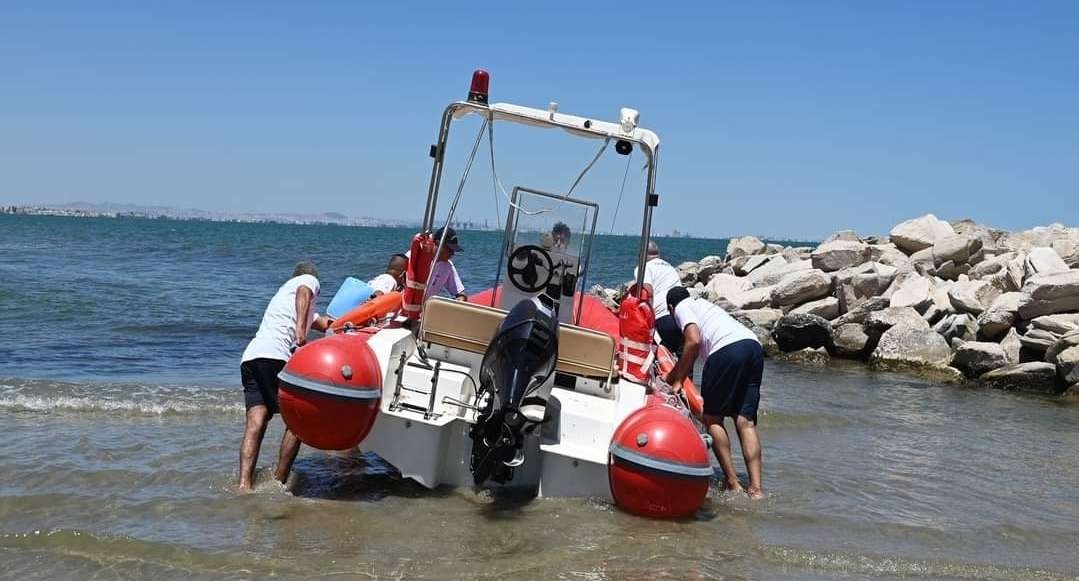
pixel 421 257
pixel 636 327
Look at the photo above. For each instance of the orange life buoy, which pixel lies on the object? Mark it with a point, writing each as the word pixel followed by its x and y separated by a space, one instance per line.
pixel 420 259
pixel 372 309
pixel 666 361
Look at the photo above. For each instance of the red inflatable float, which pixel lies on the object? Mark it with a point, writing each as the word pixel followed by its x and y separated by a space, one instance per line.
pixel 368 311
pixel 658 464
pixel 330 391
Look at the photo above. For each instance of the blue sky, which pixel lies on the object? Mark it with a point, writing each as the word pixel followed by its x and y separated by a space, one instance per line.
pixel 784 119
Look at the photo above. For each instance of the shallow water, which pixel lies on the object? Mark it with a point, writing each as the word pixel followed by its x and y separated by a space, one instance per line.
pixel 124 430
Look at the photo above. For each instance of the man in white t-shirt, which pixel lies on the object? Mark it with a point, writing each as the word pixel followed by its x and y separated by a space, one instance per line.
pixel 285 324
pixel 731 382
pixel 391 280
pixel 659 278
pixel 444 277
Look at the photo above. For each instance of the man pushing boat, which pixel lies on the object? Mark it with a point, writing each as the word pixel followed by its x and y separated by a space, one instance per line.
pixel 731 382
pixel 285 324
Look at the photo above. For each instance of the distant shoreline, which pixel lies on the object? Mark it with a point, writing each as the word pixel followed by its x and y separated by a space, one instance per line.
pixel 304 220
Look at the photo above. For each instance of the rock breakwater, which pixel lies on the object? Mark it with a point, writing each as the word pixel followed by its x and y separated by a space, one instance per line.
pixel 960 300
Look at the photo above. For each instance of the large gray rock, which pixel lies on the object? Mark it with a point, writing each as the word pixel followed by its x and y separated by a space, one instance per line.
pixel 687 271
pixel 827 308
pixel 763 318
pixel 972 296
pixel 1048 294
pixel 1037 237
pixel 758 261
pixel 849 341
pixel 1012 346
pixel 872 278
pixel 839 254
pixel 1004 272
pixel 915 291
pixel 991 265
pixel 744 246
pixel 1067 363
pixel 1036 376
pixel 920 233
pixel 1038 340
pixel 1044 261
pixel 1067 341
pixel 995 321
pixel 772 272
pixel 807 356
pixel 922 260
pixel 961 326
pixel 859 313
pixel 888 254
pixel 1068 250
pixel 799 287
pixel 847 235
pixel 955 248
pixel 768 343
pixel 725 286
pixel 1059 324
pixel 951 271
pixel 975 358
pixel 877 322
pixel 708 266
pixel 904 345
pixel 754 298
pixel 794 332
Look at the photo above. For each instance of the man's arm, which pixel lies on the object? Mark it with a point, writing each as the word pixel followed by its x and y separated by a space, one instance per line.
pixel 690 347
pixel 304 301
pixel 321 323
pixel 458 286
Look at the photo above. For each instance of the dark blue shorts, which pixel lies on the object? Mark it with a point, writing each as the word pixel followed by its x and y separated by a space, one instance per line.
pixel 731 383
pixel 670 334
pixel 259 378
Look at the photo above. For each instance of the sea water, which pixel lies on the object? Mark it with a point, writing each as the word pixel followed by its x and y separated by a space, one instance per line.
pixel 122 414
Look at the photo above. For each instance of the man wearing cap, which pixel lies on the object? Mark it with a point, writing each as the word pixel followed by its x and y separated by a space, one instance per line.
pixel 731 382
pixel 659 278
pixel 444 277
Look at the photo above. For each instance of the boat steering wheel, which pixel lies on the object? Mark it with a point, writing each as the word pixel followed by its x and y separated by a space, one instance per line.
pixel 527 278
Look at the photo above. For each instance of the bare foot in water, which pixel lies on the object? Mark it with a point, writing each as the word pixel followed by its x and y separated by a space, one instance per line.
pixel 756 494
pixel 733 487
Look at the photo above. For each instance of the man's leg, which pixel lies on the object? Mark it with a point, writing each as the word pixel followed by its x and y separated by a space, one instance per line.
pixel 254 430
pixel 721 443
pixel 751 451
pixel 290 446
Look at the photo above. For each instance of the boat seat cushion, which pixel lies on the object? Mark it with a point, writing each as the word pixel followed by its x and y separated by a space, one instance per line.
pixel 470 327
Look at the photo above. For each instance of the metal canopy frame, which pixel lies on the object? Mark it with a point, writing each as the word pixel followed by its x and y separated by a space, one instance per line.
pixel 578 126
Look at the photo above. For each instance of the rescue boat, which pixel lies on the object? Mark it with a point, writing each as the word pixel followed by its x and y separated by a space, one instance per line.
pixel 530 384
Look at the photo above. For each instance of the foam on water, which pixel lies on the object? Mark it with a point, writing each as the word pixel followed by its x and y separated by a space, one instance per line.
pixel 119 399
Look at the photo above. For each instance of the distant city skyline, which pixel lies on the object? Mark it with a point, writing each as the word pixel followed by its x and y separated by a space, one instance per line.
pixel 779 119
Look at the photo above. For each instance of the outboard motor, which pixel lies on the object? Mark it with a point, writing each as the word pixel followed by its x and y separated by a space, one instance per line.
pixel 521 357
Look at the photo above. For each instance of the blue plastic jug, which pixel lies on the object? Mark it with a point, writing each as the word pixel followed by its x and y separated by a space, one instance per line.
pixel 353 293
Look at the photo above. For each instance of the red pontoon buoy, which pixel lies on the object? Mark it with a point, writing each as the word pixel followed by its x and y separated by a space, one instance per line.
pixel 330 391
pixel 658 464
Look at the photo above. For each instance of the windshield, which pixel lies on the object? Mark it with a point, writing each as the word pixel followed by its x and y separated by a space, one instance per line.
pixel 546 247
